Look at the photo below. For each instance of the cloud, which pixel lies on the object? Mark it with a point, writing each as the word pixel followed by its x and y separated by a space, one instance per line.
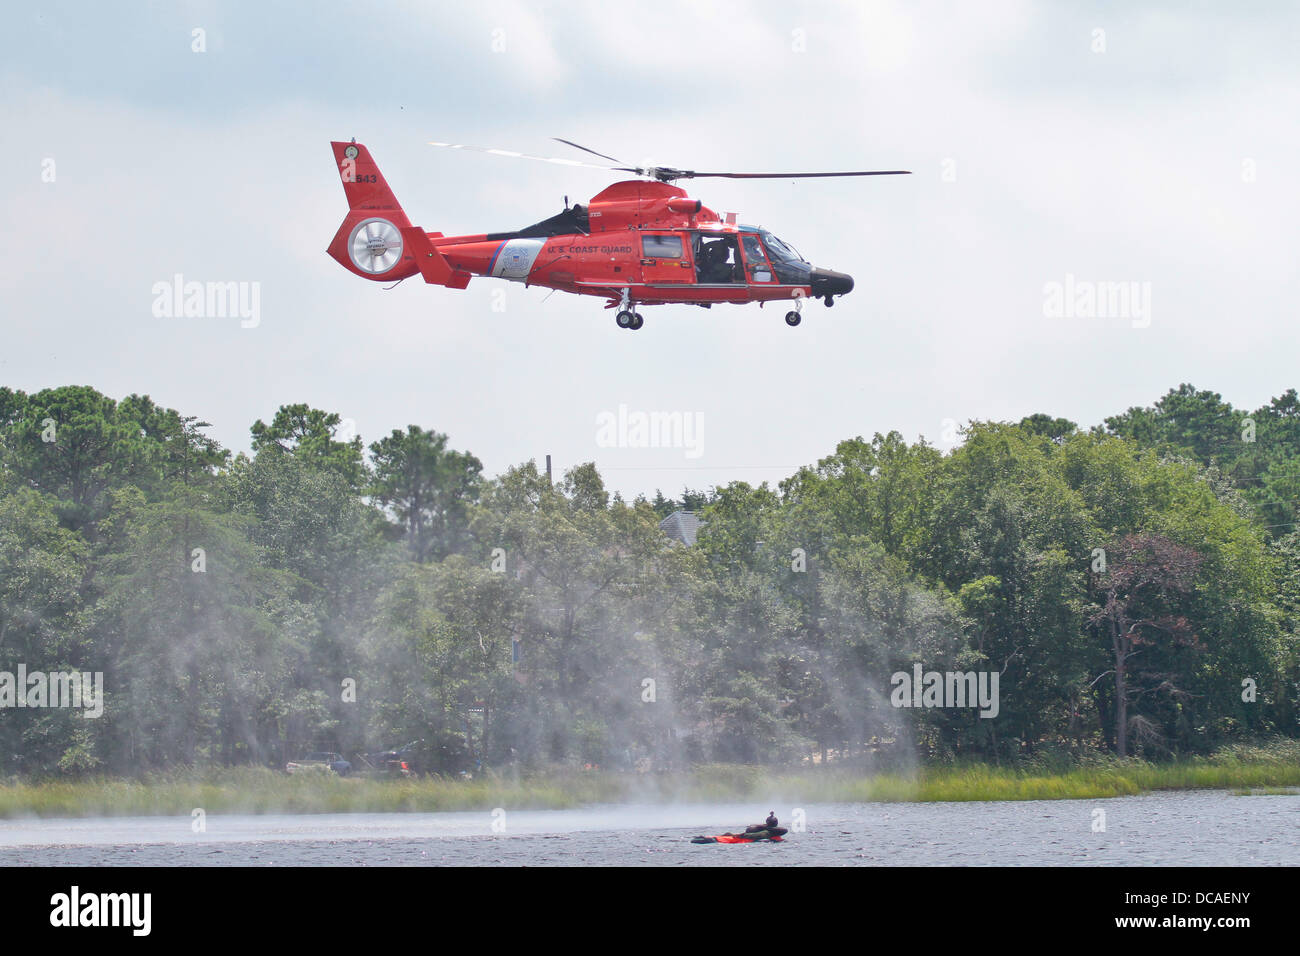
pixel 1032 157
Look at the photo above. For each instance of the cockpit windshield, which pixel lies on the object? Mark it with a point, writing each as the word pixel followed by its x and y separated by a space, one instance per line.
pixel 779 250
pixel 789 266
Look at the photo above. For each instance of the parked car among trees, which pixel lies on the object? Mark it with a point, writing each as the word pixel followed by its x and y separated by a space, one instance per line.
pixel 318 760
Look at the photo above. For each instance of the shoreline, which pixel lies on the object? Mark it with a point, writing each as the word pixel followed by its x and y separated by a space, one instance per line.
pixel 1242 771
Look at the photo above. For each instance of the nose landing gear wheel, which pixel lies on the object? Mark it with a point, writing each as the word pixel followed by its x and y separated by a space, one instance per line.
pixel 637 322
pixel 625 320
pixel 792 319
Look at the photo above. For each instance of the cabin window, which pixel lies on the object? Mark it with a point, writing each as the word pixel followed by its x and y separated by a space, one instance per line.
pixel 661 247
pixel 717 259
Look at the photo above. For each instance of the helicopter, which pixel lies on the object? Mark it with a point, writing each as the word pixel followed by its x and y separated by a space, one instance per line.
pixel 638 242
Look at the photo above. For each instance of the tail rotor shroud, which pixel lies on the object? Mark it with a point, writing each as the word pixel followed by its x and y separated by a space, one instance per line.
pixel 375 245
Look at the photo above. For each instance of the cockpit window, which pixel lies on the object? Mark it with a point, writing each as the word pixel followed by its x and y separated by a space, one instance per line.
pixel 755 262
pixel 779 250
pixel 789 266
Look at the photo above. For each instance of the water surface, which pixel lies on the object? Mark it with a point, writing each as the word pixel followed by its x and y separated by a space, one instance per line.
pixel 1195 828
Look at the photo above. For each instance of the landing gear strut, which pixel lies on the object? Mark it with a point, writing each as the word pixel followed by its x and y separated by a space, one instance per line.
pixel 793 318
pixel 628 317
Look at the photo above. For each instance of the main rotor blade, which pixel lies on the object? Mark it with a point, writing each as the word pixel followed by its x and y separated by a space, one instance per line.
pixel 664 174
pixel 686 174
pixel 585 149
pixel 541 159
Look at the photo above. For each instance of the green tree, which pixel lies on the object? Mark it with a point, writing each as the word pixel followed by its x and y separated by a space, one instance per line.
pixel 71 444
pixel 429 487
pixel 313 436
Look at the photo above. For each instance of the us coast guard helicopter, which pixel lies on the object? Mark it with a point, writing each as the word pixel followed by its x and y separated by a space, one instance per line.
pixel 637 242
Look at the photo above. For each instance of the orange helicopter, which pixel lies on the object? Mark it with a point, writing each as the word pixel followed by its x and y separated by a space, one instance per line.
pixel 637 242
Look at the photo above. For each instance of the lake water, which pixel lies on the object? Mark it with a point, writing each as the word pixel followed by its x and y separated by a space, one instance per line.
pixel 1198 828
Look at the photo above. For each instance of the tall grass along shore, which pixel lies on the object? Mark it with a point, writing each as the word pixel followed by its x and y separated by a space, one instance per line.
pixel 1268 768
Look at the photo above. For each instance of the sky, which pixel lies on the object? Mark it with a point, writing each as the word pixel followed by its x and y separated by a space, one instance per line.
pixel 1144 152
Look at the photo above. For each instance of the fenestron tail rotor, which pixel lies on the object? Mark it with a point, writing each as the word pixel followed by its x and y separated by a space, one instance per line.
pixel 667 174
pixel 375 245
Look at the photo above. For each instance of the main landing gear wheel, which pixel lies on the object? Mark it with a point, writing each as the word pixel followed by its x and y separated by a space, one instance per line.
pixel 637 322
pixel 792 319
pixel 626 320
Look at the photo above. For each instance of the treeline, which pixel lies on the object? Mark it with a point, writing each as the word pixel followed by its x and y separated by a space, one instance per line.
pixel 1135 587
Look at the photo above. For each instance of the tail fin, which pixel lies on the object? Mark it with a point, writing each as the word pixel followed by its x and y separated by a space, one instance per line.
pixel 369 242
pixel 376 240
pixel 364 184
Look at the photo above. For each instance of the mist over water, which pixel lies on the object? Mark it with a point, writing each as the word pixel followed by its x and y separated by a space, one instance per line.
pixel 1204 828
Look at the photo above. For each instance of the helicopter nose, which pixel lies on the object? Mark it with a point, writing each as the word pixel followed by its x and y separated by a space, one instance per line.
pixel 826 283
